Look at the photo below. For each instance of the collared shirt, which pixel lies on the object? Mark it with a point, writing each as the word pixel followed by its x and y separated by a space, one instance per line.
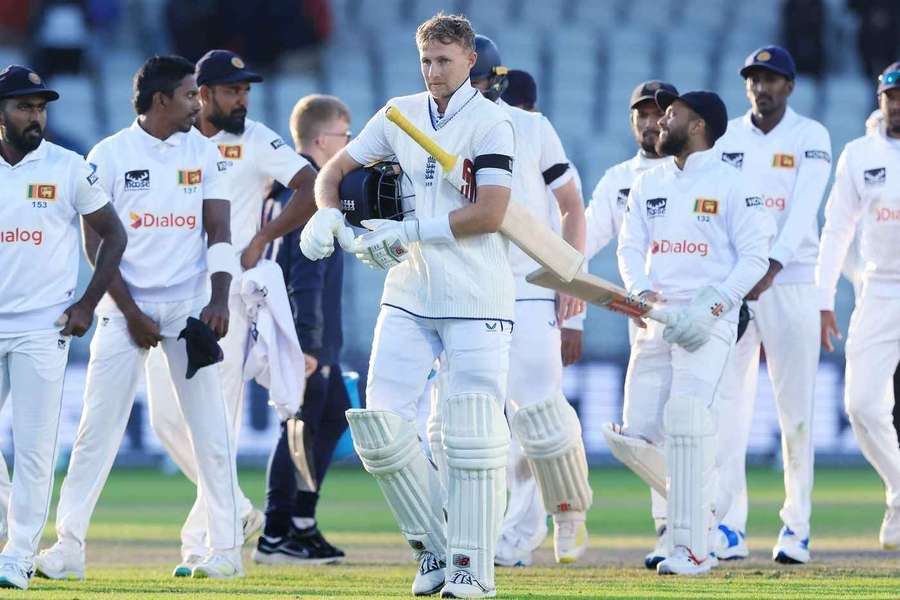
pixel 685 229
pixel 158 188
pixel 41 198
pixel 791 164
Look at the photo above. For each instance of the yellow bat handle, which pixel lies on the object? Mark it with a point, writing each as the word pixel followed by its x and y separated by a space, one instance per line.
pixel 446 159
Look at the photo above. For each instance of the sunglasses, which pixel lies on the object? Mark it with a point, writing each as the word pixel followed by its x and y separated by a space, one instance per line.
pixel 344 134
pixel 889 78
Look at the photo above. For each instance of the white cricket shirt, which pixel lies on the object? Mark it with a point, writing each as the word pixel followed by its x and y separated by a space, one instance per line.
pixel 40 199
pixel 254 158
pixel 866 194
pixel 687 229
pixel 158 187
pixel 790 165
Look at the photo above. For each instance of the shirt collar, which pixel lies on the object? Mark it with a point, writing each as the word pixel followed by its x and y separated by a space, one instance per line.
pixel 694 163
pixel 36 154
pixel 641 161
pixel 462 96
pixel 789 116
pixel 153 142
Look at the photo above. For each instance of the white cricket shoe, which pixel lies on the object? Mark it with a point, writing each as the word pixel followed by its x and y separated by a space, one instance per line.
pixel 683 562
pixel 253 522
pixel 219 565
pixel 14 575
pixel 659 551
pixel 889 536
pixel 790 549
pixel 730 544
pixel 462 584
pixel 60 562
pixel 508 554
pixel 430 576
pixel 186 567
pixel 570 537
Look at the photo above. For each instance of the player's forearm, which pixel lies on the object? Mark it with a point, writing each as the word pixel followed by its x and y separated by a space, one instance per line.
pixel 751 266
pixel 328 181
pixel 483 216
pixel 217 224
pixel 631 268
pixel 808 194
pixel 572 219
pixel 106 265
pixel 299 209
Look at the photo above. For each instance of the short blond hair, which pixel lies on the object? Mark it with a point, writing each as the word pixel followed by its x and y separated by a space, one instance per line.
pixel 311 113
pixel 447 29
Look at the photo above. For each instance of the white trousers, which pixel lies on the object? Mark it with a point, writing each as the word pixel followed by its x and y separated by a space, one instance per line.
pixel 786 322
pixel 873 351
pixel 32 369
pixel 170 427
pixel 535 374
pixel 112 380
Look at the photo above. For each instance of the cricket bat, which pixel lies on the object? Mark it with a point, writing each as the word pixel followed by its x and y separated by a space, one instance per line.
pixel 598 292
pixel 519 226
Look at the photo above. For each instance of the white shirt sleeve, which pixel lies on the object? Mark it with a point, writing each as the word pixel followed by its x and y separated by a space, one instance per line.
pixel 214 180
pixel 89 194
pixel 555 166
pixel 371 144
pixel 104 168
pixel 599 218
pixel 809 189
pixel 751 229
pixel 634 243
pixel 842 212
pixel 276 158
pixel 499 139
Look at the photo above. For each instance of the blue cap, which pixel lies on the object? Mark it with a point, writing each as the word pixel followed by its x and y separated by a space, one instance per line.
pixel 218 67
pixel 706 104
pixel 647 91
pixel 889 78
pixel 521 90
pixel 16 80
pixel 772 58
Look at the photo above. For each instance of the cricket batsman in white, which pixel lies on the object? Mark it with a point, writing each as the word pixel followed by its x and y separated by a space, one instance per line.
pixel 449 289
pixel 866 197
pixel 696 238
pixel 45 190
pixel 167 181
pixel 789 157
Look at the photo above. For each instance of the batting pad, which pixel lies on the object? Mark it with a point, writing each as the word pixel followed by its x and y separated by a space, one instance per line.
pixel 647 460
pixel 690 457
pixel 476 439
pixel 433 429
pixel 389 449
pixel 550 434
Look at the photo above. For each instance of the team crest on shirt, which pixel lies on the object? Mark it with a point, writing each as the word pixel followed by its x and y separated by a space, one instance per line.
pixel 735 159
pixel 706 206
pixel 190 177
pixel 783 161
pixel 42 191
pixel 622 197
pixel 873 177
pixel 92 178
pixel 139 179
pixel 656 207
pixel 231 151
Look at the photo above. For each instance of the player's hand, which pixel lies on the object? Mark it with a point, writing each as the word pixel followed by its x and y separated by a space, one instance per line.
pixel 317 236
pixel 567 307
pixel 386 244
pixel 143 330
pixel 692 325
pixel 571 346
pixel 215 314
pixel 761 286
pixel 650 298
pixel 252 253
pixel 829 328
pixel 311 364
pixel 76 319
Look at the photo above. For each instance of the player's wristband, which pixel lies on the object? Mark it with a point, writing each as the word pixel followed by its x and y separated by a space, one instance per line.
pixel 221 258
pixel 433 230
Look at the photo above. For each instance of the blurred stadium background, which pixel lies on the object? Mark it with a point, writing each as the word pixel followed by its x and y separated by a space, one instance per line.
pixel 586 55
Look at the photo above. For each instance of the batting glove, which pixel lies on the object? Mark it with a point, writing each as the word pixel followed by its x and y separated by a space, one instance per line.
pixel 317 237
pixel 690 328
pixel 387 244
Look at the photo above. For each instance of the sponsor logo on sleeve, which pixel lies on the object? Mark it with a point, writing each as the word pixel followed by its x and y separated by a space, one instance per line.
pixel 276 143
pixel 873 177
pixel 622 198
pixel 92 178
pixel 753 201
pixel 735 159
pixel 222 166
pixel 42 191
pixel 190 177
pixel 231 151
pixel 783 161
pixel 706 206
pixel 656 207
pixel 818 155
pixel 139 179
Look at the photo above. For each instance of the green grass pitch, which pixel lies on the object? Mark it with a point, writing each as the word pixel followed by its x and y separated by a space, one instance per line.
pixel 133 546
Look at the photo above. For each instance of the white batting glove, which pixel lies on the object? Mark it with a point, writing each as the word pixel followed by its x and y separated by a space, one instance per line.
pixel 317 237
pixel 690 328
pixel 387 244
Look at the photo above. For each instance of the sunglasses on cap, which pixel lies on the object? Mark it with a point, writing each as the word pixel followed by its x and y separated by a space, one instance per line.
pixel 889 78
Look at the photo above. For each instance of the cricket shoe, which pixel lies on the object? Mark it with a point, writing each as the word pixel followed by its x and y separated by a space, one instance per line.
pixel 59 562
pixel 889 536
pixel 508 554
pixel 219 565
pixel 463 584
pixel 186 567
pixel 290 551
pixel 430 576
pixel 683 562
pixel 253 522
pixel 730 544
pixel 14 575
pixel 659 551
pixel 312 537
pixel 570 537
pixel 790 549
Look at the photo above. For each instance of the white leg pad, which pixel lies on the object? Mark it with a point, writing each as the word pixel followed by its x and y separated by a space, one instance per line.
pixel 690 458
pixel 476 439
pixel 434 426
pixel 389 449
pixel 550 434
pixel 648 461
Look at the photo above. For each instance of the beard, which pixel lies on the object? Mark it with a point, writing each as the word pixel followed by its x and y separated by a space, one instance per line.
pixel 648 144
pixel 232 123
pixel 25 141
pixel 673 143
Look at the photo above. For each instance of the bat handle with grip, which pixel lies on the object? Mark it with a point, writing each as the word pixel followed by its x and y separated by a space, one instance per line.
pixel 659 315
pixel 446 159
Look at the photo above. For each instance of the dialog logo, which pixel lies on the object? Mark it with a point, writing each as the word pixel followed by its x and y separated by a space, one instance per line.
pixel 679 247
pixel 169 221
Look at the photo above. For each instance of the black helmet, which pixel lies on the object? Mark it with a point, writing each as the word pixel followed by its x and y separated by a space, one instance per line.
pixel 374 191
pixel 489 66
